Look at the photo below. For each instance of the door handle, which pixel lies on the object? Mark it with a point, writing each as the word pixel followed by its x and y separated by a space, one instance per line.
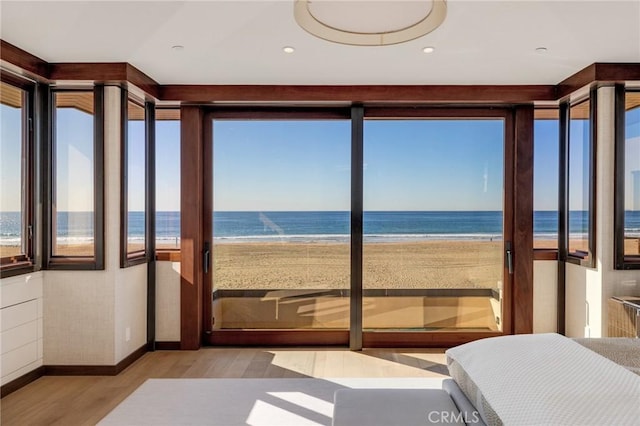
pixel 509 257
pixel 206 257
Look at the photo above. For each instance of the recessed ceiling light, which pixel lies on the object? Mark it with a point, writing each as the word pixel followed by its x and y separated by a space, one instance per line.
pixel 177 48
pixel 288 49
pixel 541 50
pixel 429 49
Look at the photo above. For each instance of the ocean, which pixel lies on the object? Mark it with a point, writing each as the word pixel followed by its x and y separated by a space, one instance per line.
pixel 379 226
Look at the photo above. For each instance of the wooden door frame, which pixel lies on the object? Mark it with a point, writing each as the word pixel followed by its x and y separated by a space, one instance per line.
pixel 197 203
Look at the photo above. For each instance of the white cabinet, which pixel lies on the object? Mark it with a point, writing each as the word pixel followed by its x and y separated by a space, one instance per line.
pixel 20 325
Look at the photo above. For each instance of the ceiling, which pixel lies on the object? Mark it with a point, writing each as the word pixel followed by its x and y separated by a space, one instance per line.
pixel 240 42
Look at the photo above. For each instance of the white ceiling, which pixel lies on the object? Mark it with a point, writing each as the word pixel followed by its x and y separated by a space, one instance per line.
pixel 240 42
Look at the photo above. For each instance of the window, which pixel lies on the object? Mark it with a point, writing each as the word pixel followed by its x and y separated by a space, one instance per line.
pixel 167 179
pixel 580 178
pixel 545 175
pixel 134 183
pixel 627 191
pixel 16 222
pixel 76 218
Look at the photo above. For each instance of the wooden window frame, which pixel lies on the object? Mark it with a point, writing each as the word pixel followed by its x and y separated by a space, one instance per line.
pixel 622 261
pixel 138 257
pixel 564 195
pixel 24 262
pixel 546 253
pixel 59 262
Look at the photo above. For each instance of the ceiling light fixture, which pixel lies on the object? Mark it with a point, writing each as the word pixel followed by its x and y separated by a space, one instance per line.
pixel 429 49
pixel 288 49
pixel 177 48
pixel 370 22
pixel 541 50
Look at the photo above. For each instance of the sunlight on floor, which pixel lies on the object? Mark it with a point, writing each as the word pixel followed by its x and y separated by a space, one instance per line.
pixel 368 363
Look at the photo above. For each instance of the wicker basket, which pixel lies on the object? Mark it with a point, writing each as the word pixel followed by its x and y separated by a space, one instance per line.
pixel 624 317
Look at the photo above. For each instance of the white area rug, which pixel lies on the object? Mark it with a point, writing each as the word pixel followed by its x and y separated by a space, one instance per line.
pixel 253 402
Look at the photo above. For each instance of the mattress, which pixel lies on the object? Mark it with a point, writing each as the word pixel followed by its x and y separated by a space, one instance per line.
pixel 544 379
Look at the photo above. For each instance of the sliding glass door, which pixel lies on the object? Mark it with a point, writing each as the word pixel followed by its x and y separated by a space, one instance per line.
pixel 433 225
pixel 281 225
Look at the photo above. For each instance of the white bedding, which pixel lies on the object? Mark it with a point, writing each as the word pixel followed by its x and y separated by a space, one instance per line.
pixel 546 379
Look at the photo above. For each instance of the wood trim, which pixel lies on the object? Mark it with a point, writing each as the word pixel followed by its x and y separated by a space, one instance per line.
pixel 563 212
pixel 96 370
pixel 21 381
pixel 384 339
pixel 124 181
pixel 617 71
pixel 279 113
pixel 360 93
pixel 131 358
pixel 191 238
pixel 593 176
pixel 142 81
pixel 618 176
pixel 88 71
pixel 576 81
pixel 436 111
pixel 508 221
pixel 150 221
pixel 167 346
pixel 168 255
pixel 523 222
pixel 545 254
pixel 279 337
pixel 99 177
pixel 24 60
pixel 125 72
pixel 599 71
pixel 207 224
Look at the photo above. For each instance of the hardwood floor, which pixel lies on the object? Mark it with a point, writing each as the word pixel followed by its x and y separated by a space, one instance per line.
pixel 69 401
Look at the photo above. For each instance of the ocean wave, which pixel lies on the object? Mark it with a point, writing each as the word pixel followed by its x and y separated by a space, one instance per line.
pixel 368 238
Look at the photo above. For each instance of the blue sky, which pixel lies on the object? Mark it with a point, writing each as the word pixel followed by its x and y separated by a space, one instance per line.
pixel 298 165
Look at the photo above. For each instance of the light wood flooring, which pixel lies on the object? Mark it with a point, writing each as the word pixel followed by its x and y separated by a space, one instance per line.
pixel 85 400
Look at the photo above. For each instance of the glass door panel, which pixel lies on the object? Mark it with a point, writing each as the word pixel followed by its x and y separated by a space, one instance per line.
pixel 433 225
pixel 281 224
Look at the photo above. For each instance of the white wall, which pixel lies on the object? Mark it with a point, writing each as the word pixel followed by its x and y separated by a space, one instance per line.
pixel 588 289
pixel 168 301
pixel 545 296
pixel 130 310
pixel 21 330
pixel 78 318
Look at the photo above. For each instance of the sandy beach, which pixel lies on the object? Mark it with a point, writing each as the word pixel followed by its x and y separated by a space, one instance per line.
pixel 428 264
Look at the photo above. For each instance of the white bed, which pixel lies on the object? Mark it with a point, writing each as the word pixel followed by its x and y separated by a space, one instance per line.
pixel 544 379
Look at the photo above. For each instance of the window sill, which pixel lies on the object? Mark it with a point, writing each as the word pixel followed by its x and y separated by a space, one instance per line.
pixel 74 264
pixel 545 254
pixel 169 255
pixel 579 259
pixel 629 263
pixel 134 258
pixel 16 268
